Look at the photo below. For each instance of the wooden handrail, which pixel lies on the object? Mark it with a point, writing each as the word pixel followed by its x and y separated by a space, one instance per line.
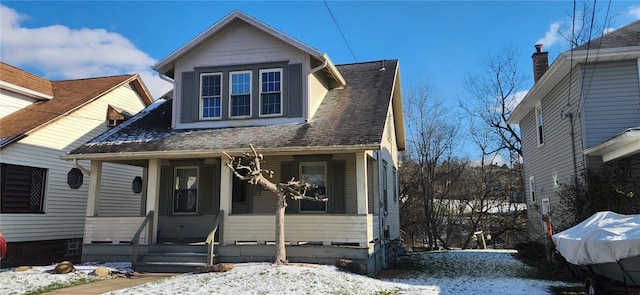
pixel 210 241
pixel 135 241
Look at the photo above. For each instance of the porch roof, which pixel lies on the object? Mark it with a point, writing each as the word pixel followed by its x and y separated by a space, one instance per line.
pixel 350 118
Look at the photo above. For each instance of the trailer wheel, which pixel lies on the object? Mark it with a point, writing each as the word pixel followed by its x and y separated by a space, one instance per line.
pixel 590 287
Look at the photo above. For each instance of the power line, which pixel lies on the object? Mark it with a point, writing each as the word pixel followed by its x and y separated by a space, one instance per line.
pixel 340 30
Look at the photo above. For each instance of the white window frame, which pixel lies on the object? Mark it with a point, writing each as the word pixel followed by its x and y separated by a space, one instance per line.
pixel 263 92
pixel 324 166
pixel 532 190
pixel 231 93
pixel 202 117
pixel 539 124
pixel 175 174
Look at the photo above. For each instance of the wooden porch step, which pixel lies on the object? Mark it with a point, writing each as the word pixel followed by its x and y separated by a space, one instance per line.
pixel 174 257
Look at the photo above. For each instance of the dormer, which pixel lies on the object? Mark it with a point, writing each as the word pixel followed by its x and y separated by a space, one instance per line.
pixel 242 72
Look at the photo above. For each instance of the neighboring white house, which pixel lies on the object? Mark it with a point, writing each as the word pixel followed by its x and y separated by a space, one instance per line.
pixel 42 197
pixel 242 82
pixel 584 110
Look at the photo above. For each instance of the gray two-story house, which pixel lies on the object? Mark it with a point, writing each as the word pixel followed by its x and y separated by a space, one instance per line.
pixel 242 82
pixel 584 110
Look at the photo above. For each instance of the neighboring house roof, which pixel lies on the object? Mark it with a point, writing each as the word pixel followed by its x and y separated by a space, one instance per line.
pixel 67 96
pixel 166 65
pixel 621 44
pixel 21 81
pixel 622 145
pixel 349 118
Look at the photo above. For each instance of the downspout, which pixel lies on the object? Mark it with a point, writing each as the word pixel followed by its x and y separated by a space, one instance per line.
pixel 163 77
pixel 381 214
pixel 320 67
pixel 173 83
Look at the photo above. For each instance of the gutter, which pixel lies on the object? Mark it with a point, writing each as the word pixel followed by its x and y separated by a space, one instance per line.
pixel 84 170
pixel 218 152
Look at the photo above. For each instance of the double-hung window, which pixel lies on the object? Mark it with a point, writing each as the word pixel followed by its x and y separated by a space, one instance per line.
pixel 539 124
pixel 270 92
pixel 314 174
pixel 185 195
pixel 240 94
pixel 210 96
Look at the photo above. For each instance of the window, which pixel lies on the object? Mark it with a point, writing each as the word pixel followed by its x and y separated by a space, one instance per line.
pixel 385 186
pixel 315 174
pixel 185 196
pixel 539 124
pixel 23 189
pixel 532 190
pixel 240 94
pixel 546 207
pixel 270 92
pixel 210 96
pixel 74 178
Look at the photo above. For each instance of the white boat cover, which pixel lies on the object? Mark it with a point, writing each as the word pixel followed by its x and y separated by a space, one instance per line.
pixel 604 237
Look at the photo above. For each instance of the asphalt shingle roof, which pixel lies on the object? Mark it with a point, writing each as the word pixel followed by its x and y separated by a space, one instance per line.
pixel 352 116
pixel 626 36
pixel 67 95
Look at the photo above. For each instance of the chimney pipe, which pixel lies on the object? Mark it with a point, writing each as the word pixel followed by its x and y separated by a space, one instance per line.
pixel 540 62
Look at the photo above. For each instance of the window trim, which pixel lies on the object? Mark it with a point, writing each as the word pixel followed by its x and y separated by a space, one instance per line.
pixel 261 92
pixel 231 94
pixel 539 117
pixel 532 190
pixel 175 174
pixel 201 104
pixel 326 187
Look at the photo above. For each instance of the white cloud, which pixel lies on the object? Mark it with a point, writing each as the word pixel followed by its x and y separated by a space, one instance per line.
pixel 634 11
pixel 515 99
pixel 64 53
pixel 551 36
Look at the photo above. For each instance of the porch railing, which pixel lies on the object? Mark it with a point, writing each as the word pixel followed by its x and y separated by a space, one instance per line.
pixel 210 241
pixel 135 241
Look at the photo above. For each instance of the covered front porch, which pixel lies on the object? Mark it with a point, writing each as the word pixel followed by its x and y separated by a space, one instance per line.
pixel 195 205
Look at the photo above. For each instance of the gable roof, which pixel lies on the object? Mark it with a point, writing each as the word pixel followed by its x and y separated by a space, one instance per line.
pixel 166 65
pixel 621 44
pixel 348 119
pixel 23 82
pixel 67 96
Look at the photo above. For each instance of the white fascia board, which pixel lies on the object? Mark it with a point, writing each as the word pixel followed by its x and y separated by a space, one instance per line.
pixel 24 91
pixel 167 62
pixel 560 68
pixel 622 145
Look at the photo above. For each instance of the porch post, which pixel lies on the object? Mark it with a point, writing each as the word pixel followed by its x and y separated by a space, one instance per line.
pixel 153 191
pixel 226 184
pixel 94 188
pixel 361 181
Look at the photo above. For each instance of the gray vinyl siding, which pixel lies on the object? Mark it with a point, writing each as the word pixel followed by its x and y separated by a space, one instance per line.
pixel 611 95
pixel 551 164
pixel 237 46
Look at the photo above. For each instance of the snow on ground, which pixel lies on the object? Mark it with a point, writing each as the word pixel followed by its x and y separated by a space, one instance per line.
pixel 448 272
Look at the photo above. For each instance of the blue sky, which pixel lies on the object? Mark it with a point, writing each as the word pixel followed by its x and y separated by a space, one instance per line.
pixel 437 42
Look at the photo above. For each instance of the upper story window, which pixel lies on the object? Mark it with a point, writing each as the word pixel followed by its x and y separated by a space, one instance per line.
pixel 271 92
pixel 240 94
pixel 23 189
pixel 210 96
pixel 539 124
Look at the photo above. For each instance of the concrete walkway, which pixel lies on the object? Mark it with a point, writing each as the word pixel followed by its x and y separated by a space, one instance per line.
pixel 100 287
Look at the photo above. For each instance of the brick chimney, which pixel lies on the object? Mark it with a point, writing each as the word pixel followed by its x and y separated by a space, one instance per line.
pixel 540 62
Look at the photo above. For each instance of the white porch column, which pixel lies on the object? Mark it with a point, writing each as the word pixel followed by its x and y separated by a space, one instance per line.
pixel 153 193
pixel 226 184
pixel 361 183
pixel 94 188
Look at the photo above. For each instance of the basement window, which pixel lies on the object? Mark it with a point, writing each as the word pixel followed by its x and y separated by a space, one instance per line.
pixel 22 188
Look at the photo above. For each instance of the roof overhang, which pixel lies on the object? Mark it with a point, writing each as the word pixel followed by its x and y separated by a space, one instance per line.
pixel 277 151
pixel 24 91
pixel 561 68
pixel 167 64
pixel 398 114
pixel 622 145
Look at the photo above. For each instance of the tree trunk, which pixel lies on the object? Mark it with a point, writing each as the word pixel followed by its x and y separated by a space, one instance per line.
pixel 281 252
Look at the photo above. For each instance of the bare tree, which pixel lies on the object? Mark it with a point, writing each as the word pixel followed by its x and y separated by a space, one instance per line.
pixel 494 95
pixel 248 168
pixel 433 141
pixel 584 25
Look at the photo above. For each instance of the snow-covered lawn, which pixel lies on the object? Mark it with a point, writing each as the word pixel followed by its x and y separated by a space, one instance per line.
pixel 451 272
